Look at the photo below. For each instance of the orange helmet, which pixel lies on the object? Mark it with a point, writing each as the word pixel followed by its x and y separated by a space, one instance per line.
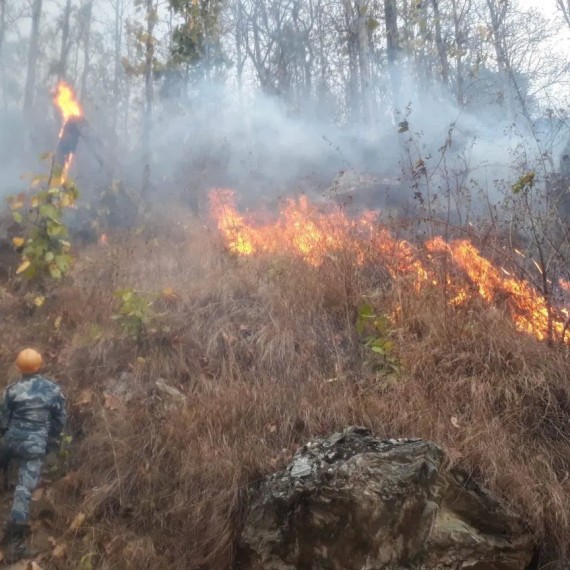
pixel 29 361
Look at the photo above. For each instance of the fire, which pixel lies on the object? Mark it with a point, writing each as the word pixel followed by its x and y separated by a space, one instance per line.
pixel 66 102
pixel 306 232
pixel 71 112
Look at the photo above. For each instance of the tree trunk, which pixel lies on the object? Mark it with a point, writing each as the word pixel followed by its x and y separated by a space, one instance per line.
pixel 458 33
pixel 149 93
pixel 500 53
pixel 366 90
pixel 2 25
pixel 441 49
pixel 32 58
pixel 564 6
pixel 87 47
pixel 393 48
pixel 352 98
pixel 62 67
pixel 118 42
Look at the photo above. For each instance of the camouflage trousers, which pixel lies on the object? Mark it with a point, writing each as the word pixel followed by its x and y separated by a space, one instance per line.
pixel 29 473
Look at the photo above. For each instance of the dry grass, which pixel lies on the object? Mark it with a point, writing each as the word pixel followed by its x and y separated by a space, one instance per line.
pixel 266 352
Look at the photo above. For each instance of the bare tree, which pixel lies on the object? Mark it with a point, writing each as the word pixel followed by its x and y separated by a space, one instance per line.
pixel 33 53
pixel 86 34
pixel 393 47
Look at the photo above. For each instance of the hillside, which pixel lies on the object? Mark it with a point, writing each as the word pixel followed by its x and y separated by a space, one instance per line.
pixel 192 371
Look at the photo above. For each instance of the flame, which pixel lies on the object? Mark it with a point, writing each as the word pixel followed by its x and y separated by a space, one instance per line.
pixel 66 101
pixel 67 104
pixel 315 236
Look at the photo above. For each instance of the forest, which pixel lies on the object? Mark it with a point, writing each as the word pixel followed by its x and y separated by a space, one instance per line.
pixel 245 235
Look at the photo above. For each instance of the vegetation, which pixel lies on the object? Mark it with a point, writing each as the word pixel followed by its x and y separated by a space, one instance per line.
pixel 44 238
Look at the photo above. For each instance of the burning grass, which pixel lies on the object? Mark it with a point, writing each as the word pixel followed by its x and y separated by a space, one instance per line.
pixel 265 350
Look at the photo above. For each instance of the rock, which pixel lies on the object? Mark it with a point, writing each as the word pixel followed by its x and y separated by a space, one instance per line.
pixel 355 502
pixel 169 391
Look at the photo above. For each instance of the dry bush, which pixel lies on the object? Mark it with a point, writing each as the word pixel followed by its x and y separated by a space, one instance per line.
pixel 266 353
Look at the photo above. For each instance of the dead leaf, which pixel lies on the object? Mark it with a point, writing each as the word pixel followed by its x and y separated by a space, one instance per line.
pixel 112 402
pixel 59 551
pixel 52 541
pixel 455 422
pixel 38 494
pixel 78 521
pixel 23 267
pixel 85 398
pixel 57 323
pixel 33 565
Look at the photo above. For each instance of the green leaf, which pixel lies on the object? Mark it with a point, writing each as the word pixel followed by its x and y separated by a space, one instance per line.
pixel 17 217
pixel 54 271
pixel 50 211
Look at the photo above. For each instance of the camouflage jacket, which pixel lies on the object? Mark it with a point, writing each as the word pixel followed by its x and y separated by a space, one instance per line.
pixel 33 409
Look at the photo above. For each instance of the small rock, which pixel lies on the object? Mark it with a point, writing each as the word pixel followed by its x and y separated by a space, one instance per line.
pixel 169 391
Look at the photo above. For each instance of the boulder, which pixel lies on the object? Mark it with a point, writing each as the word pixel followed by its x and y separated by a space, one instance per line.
pixel 356 502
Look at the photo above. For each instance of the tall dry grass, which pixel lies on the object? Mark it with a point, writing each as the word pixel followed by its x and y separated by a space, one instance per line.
pixel 266 352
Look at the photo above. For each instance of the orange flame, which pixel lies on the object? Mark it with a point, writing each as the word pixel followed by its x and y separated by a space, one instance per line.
pixel 315 236
pixel 66 101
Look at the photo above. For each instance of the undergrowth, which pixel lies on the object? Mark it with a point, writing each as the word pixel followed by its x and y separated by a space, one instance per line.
pixel 269 352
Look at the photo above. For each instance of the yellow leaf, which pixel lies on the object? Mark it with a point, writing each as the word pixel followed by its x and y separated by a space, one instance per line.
pixel 85 398
pixel 57 323
pixel 18 241
pixel 39 301
pixel 23 267
pixel 35 201
pixel 78 521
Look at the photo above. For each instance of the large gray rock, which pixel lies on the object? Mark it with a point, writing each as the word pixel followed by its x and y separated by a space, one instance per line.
pixel 355 502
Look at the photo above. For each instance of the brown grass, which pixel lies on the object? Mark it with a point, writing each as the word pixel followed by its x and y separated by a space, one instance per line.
pixel 266 352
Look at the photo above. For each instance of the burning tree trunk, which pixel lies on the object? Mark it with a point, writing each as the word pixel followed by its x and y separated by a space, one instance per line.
pixel 72 115
pixel 32 58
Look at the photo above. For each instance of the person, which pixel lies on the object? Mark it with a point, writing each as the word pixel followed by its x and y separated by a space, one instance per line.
pixel 32 417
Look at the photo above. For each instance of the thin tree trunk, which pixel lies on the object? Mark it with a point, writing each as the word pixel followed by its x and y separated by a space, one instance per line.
pixel 564 6
pixel 458 33
pixel 62 68
pixel 118 42
pixel 393 48
pixel 441 50
pixel 2 25
pixel 32 58
pixel 352 99
pixel 364 60
pixel 500 54
pixel 149 92
pixel 86 46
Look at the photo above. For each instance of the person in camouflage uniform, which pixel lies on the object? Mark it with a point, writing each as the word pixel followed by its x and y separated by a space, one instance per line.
pixel 32 417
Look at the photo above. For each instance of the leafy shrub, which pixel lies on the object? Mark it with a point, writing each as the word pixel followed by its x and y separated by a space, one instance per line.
pixel 44 242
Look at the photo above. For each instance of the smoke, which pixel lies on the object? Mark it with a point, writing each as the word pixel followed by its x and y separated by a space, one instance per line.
pixel 266 151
